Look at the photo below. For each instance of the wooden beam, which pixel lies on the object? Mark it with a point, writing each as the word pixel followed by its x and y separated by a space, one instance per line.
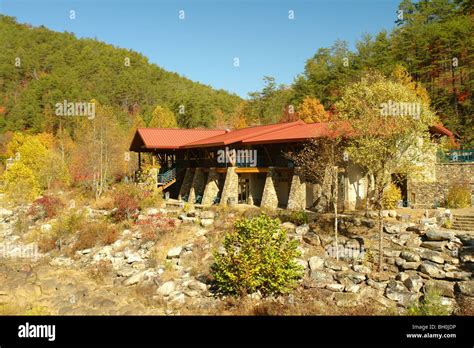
pixel 252 170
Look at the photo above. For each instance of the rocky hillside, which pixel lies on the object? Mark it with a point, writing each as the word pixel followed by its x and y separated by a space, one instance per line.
pixel 138 274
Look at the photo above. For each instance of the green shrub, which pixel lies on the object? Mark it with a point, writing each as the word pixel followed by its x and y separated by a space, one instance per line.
pixel 258 257
pixel 391 196
pixel 299 217
pixel 459 196
pixel 430 305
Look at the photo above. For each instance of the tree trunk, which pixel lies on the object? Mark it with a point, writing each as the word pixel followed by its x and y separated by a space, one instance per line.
pixel 380 239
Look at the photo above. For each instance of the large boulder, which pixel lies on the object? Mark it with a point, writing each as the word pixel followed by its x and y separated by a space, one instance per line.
pixel 466 288
pixel 166 288
pixel 437 235
pixel 442 287
pixel 397 292
pixel 174 252
pixel 410 256
pixel 432 269
pixel 316 263
pixel 432 256
pixel 413 282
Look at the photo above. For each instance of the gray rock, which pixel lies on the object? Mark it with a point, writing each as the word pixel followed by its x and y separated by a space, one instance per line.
pixel 410 256
pixel 392 213
pixel 321 276
pixel 134 279
pixel 206 222
pixel 434 245
pixel 397 292
pixel 379 285
pixel 433 256
pixel 391 253
pixel 368 223
pixel 437 235
pixel 302 229
pixel 466 288
pixel 197 286
pixel 166 288
pixel 392 229
pixel 335 287
pixel 453 275
pixel 316 263
pixel 152 211
pixel 312 238
pixel 442 287
pixel 432 269
pixel 413 283
pixel 133 257
pixel 174 252
pixel 361 269
pixel 410 265
pixel 351 287
pixel 289 226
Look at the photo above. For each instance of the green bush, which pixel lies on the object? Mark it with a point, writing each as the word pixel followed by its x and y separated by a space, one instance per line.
pixel 430 305
pixel 391 196
pixel 299 217
pixel 258 257
pixel 459 196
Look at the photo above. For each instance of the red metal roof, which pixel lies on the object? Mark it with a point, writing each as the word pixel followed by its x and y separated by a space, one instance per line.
pixel 238 135
pixel 169 138
pixel 302 132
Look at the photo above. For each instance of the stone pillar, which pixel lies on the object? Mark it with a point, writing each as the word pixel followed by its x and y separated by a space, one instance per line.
pixel 197 186
pixel 187 181
pixel 269 197
pixel 231 186
pixel 212 187
pixel 297 198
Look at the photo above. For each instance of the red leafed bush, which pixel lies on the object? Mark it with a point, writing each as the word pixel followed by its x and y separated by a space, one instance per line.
pixel 46 207
pixel 127 204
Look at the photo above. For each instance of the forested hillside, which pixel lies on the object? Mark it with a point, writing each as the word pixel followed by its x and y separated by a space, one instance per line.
pixel 433 41
pixel 41 67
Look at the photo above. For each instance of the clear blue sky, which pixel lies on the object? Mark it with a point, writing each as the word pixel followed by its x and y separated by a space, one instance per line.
pixel 203 46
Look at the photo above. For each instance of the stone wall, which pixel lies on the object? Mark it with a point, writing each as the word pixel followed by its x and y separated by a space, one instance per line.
pixel 430 194
pixel 212 187
pixel 297 198
pixel 231 185
pixel 187 181
pixel 198 184
pixel 269 197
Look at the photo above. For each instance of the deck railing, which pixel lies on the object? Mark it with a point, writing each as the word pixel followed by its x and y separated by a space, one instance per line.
pixel 456 156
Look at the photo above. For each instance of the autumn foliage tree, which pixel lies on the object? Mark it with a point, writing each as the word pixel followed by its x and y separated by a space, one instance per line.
pixel 162 117
pixel 383 143
pixel 311 110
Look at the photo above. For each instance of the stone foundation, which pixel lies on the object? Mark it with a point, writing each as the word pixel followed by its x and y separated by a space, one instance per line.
pixel 297 198
pixel 187 181
pixel 231 185
pixel 212 187
pixel 197 186
pixel 269 197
